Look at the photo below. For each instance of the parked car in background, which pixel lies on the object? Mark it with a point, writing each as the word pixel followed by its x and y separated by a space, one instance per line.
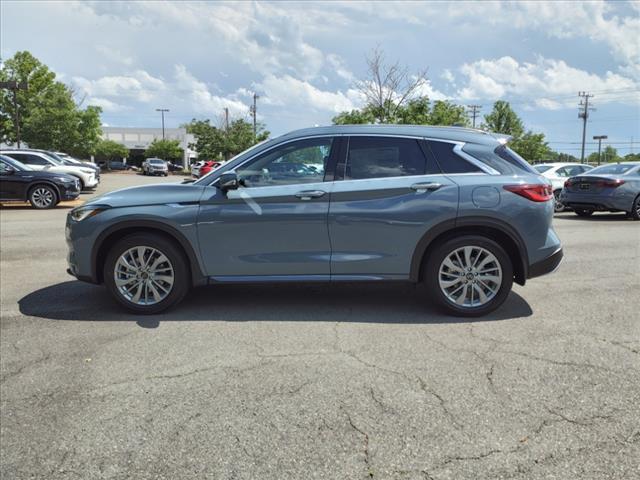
pixel 115 165
pixel 613 187
pixel 558 173
pixel 174 167
pixel 452 208
pixel 207 167
pixel 69 160
pixel 39 160
pixel 42 189
pixel 155 166
pixel 195 168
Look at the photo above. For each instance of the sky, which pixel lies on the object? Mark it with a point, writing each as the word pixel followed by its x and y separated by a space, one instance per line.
pixel 303 59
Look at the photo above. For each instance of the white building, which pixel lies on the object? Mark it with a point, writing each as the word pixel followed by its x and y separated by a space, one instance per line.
pixel 138 139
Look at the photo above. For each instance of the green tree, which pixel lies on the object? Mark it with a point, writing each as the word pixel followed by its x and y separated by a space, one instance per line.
pixel 503 119
pixel 448 114
pixel 165 149
pixel 632 157
pixel 49 115
pixel 531 146
pixel 417 111
pixel 217 143
pixel 109 150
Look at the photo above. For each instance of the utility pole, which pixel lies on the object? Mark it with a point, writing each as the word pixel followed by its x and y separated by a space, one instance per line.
pixel 226 119
pixel 15 86
pixel 584 115
pixel 162 110
pixel 475 109
pixel 253 112
pixel 599 138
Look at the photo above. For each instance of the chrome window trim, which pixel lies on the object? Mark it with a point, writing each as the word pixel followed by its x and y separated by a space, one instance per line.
pixel 485 169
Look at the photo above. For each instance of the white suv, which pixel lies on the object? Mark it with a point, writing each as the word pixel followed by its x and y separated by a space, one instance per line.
pixel 155 166
pixel 558 173
pixel 41 161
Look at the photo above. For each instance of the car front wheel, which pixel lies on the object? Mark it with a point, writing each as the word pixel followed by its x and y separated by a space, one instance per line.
pixel 469 276
pixel 43 196
pixel 146 273
pixel 558 206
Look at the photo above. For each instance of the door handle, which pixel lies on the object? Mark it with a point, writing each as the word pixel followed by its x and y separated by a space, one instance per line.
pixel 425 187
pixel 309 194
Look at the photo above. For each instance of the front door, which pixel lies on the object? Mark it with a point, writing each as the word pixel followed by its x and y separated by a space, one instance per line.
pixel 275 225
pixel 388 193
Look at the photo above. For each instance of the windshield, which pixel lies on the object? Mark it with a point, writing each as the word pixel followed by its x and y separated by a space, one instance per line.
pixel 202 179
pixel 156 161
pixel 615 169
pixel 542 168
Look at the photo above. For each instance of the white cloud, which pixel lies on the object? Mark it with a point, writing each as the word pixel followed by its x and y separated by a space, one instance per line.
pixel 114 55
pixel 290 91
pixel 544 80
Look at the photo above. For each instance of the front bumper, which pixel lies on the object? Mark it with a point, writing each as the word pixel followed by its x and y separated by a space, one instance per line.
pixel 548 265
pixel 91 182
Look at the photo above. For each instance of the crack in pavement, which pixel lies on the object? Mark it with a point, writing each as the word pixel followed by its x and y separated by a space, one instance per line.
pixel 365 439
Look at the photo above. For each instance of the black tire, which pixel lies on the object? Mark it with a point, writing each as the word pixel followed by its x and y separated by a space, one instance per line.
pixel 558 206
pixel 437 256
pixel 43 196
pixel 634 214
pixel 81 183
pixel 581 212
pixel 167 247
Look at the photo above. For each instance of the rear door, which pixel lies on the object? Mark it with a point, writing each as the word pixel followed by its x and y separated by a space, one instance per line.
pixel 388 192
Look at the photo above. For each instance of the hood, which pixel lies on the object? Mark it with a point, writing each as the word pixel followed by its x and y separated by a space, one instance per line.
pixel 46 174
pixel 158 194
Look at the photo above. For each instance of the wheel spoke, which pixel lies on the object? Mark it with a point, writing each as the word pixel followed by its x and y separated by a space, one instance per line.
pixel 482 296
pixel 460 300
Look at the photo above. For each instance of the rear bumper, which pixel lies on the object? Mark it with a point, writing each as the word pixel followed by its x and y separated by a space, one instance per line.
pixel 548 265
pixel 595 202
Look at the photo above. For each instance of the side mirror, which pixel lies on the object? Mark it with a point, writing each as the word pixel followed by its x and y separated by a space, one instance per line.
pixel 8 170
pixel 228 181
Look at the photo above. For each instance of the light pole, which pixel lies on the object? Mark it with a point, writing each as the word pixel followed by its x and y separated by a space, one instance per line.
pixel 15 86
pixel 162 110
pixel 253 109
pixel 599 138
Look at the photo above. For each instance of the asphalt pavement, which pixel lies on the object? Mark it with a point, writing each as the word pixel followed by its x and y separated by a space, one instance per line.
pixel 327 382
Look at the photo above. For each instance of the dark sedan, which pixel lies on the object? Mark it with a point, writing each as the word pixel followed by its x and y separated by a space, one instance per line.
pixel 609 188
pixel 42 189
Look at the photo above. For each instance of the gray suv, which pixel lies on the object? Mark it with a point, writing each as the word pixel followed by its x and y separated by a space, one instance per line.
pixel 452 208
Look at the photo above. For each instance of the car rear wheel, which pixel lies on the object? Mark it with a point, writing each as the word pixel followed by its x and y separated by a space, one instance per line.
pixel 581 212
pixel 43 196
pixel 635 210
pixel 146 273
pixel 469 276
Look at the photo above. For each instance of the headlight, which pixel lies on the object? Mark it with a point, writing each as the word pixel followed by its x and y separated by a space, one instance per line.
pixel 81 213
pixel 86 170
pixel 64 180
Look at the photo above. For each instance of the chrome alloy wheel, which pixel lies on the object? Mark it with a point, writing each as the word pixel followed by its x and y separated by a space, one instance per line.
pixel 144 275
pixel 638 208
pixel 470 276
pixel 42 197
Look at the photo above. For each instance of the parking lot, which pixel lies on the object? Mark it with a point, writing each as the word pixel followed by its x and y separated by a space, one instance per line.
pixel 333 382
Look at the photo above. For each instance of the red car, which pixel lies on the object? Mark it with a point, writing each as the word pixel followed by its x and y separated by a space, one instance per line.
pixel 207 167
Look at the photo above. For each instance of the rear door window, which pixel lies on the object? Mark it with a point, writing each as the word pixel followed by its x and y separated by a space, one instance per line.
pixel 29 159
pixel 382 157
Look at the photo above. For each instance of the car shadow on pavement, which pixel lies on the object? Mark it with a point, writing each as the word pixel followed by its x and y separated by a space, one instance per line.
pixel 368 303
pixel 597 217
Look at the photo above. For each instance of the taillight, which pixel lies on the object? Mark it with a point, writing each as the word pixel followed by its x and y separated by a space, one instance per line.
pixel 610 183
pixel 533 192
pixel 568 183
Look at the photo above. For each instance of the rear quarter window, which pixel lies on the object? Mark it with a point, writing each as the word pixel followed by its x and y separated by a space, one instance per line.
pixel 500 158
pixel 448 160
